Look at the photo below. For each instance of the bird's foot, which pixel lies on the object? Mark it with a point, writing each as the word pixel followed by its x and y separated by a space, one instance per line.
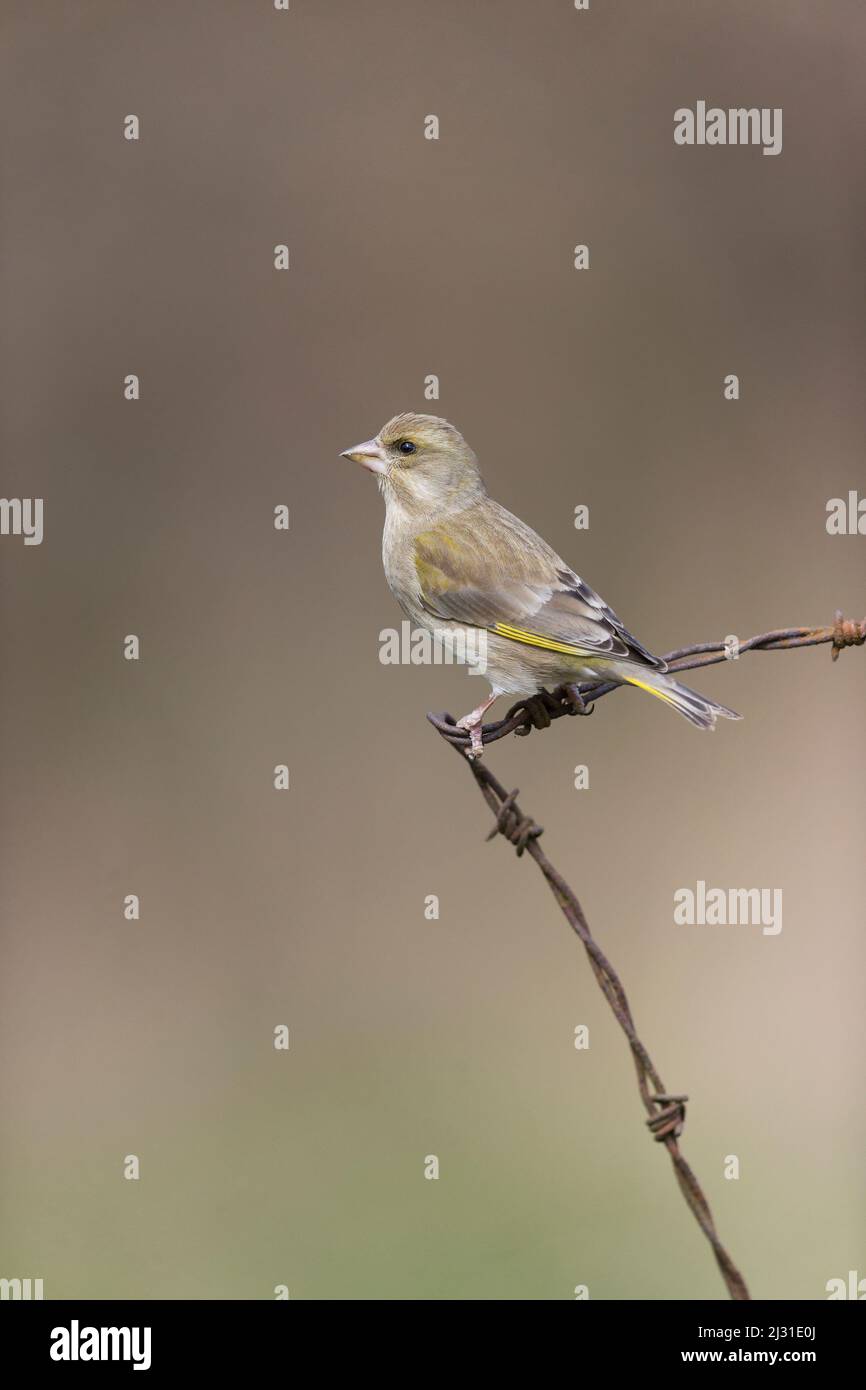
pixel 571 697
pixel 476 743
pixel 472 724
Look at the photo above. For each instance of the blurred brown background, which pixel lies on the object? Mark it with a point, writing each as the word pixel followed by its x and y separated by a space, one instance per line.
pixel 411 257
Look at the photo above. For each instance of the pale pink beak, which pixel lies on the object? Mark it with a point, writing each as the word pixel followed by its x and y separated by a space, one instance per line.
pixel 370 455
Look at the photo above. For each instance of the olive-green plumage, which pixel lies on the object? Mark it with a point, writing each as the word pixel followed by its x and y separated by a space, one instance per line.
pixel 460 565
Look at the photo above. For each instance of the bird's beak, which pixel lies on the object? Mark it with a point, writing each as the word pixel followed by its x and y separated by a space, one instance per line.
pixel 370 455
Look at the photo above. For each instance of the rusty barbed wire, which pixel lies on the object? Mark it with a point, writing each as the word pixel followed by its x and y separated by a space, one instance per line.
pixel 666 1112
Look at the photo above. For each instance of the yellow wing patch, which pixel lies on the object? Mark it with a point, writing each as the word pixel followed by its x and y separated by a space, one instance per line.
pixel 532 639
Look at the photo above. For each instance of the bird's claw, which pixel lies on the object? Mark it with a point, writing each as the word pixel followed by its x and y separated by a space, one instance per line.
pixel 471 724
pixel 476 746
pixel 571 697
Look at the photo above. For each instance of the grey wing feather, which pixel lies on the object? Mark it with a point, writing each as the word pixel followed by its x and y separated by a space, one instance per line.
pixel 630 646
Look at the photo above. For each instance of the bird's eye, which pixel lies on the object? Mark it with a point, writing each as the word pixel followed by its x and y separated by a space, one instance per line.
pixel 406 446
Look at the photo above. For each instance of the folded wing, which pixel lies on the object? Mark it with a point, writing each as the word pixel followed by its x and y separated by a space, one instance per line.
pixel 488 569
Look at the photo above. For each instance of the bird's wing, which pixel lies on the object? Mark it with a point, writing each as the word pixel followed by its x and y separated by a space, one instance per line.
pixel 486 568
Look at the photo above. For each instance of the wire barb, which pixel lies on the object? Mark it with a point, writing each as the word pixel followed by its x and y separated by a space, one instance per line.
pixel 517 829
pixel 670 1119
pixel 847 632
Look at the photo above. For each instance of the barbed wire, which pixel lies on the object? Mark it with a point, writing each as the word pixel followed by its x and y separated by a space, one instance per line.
pixel 666 1112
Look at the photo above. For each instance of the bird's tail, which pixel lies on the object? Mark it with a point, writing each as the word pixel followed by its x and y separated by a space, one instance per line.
pixel 696 708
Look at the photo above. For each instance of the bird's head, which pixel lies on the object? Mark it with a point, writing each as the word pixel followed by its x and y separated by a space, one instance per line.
pixel 421 462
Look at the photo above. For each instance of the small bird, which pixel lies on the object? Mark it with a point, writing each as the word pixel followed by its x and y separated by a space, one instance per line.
pixel 460 565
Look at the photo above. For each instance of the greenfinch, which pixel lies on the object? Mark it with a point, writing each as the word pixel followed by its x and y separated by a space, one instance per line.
pixel 461 566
